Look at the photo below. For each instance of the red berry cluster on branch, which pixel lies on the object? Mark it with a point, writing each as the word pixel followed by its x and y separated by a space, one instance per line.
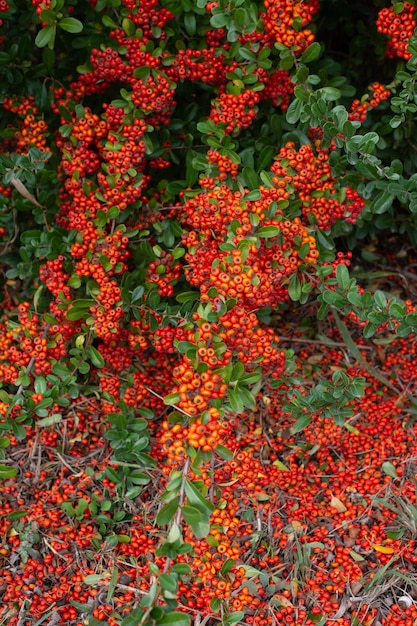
pixel 359 109
pixel 399 26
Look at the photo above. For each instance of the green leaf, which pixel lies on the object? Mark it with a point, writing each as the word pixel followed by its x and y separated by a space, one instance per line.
pixel 235 401
pixel 128 26
pixel 342 276
pixel 247 398
pixel 324 240
pixel 137 293
pixel 253 195
pixel 219 20
pixel 281 466
pixel 311 54
pixel 354 297
pixel 175 618
pixel 331 93
pixel 266 178
pixel 198 522
pixel 197 500
pixel 6 161
pixel 46 37
pixel 95 579
pixel 55 418
pixel 174 533
pixel 181 568
pixel 268 231
pixel 40 384
pixel 233 618
pixel 389 469
pixel 79 309
pixel 227 566
pixel 238 371
pixel 81 606
pixel 70 24
pixel 17 515
pixel 294 288
pixel 380 300
pixel 250 378
pixel 18 431
pixel 107 21
pixel 382 202
pixel 250 177
pixel 171 399
pixel 190 23
pixel 188 296
pixel 113 475
pixel 398 7
pixel 265 158
pixel 369 330
pixel 215 604
pixel 294 111
pixel 185 346
pixel 112 584
pixel 224 453
pixel 301 423
pixel 167 512
pixel 4 58
pixel 168 583
pixel 94 355
pixel 7 472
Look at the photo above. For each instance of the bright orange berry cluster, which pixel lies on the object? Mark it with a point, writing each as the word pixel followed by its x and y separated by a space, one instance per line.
pixel 280 19
pixel 359 109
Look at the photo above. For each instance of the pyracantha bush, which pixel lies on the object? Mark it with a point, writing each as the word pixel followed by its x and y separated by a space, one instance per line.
pixel 184 186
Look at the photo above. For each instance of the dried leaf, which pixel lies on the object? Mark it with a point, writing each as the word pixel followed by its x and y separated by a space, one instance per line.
pixel 344 605
pixel 382 549
pixel 22 189
pixel 351 539
pixel 315 358
pixel 277 598
pixel 401 400
pixel 297 526
pixel 337 504
pixel 356 586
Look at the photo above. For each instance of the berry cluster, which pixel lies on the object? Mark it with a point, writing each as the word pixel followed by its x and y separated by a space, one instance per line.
pixel 310 175
pixel 235 111
pixel 32 131
pixel 285 22
pixel 399 26
pixel 164 273
pixel 359 108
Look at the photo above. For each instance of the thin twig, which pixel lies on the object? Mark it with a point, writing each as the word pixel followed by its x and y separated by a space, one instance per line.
pixel 154 393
